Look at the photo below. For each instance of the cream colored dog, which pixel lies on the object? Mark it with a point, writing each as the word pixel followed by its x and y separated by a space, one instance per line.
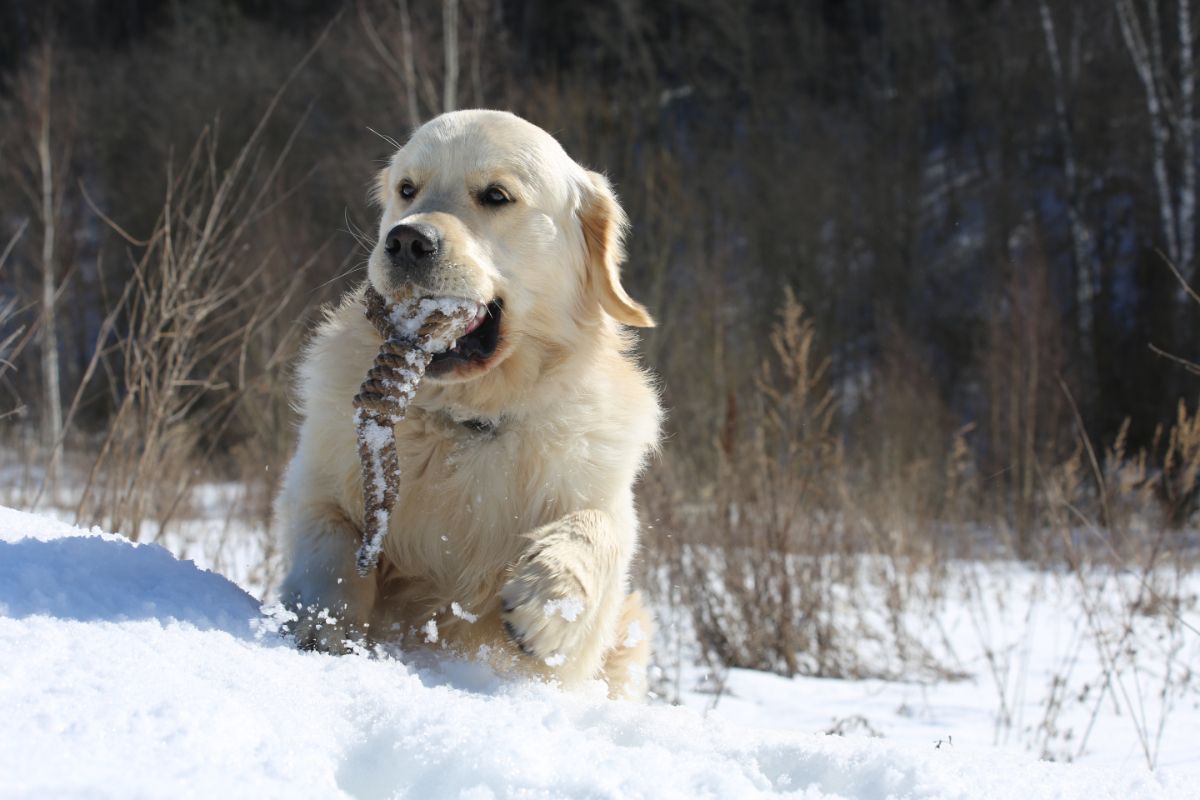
pixel 514 526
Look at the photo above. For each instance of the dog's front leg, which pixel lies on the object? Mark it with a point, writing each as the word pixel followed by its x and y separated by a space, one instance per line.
pixel 562 599
pixel 332 603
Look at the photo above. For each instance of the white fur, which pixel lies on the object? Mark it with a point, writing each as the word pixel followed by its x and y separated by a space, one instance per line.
pixel 540 511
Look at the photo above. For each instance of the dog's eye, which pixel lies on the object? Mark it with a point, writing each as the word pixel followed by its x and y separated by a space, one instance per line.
pixel 407 190
pixel 494 196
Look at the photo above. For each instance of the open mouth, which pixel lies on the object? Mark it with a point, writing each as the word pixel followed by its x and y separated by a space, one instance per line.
pixel 478 344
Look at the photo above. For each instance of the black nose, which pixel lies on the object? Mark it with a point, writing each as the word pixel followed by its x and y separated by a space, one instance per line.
pixel 411 245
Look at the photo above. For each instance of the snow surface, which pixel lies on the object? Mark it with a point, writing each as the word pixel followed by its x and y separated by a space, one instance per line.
pixel 1050 664
pixel 129 673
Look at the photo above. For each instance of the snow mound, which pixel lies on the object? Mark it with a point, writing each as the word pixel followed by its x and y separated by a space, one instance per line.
pixel 128 673
pixel 90 578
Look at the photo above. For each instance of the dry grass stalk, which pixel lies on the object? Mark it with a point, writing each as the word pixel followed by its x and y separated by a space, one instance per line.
pixel 183 347
pixel 778 564
pixel 190 318
pixel 13 337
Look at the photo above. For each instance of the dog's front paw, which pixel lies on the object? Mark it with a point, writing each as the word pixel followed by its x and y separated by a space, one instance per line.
pixel 545 609
pixel 321 630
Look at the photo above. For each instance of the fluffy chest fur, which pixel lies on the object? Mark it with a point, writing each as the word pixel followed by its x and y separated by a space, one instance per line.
pixel 465 497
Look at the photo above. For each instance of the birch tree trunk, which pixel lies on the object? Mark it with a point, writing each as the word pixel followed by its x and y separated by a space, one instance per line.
pixel 478 26
pixel 1145 61
pixel 410 66
pixel 450 49
pixel 1080 236
pixel 1187 143
pixel 49 324
pixel 1169 112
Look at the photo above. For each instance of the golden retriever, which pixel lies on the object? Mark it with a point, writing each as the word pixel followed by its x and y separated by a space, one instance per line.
pixel 514 525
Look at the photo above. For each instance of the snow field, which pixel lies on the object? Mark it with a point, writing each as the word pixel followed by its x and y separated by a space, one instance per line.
pixel 128 673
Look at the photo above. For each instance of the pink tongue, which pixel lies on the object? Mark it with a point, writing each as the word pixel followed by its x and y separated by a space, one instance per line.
pixel 475 323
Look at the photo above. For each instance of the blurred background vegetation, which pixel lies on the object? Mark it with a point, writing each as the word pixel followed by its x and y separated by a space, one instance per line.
pixel 977 209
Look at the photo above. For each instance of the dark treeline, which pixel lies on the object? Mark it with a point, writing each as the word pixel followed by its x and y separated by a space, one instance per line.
pixel 976 202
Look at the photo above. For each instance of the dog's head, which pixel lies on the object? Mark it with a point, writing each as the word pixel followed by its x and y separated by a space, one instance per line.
pixel 485 206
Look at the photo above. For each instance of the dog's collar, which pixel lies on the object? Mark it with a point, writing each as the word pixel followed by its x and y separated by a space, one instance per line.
pixel 479 425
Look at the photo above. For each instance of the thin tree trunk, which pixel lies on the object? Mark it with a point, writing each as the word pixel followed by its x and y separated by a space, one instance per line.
pixel 1084 282
pixel 1144 65
pixel 49 324
pixel 410 66
pixel 450 49
pixel 1187 143
pixel 477 30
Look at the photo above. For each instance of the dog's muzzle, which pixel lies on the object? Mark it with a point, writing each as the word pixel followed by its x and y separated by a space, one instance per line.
pixel 412 247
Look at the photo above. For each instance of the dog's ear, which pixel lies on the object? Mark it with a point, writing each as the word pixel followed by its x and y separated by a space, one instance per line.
pixel 604 225
pixel 380 188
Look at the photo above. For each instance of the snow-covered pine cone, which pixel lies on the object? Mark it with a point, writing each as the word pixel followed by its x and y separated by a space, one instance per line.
pixel 414 329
